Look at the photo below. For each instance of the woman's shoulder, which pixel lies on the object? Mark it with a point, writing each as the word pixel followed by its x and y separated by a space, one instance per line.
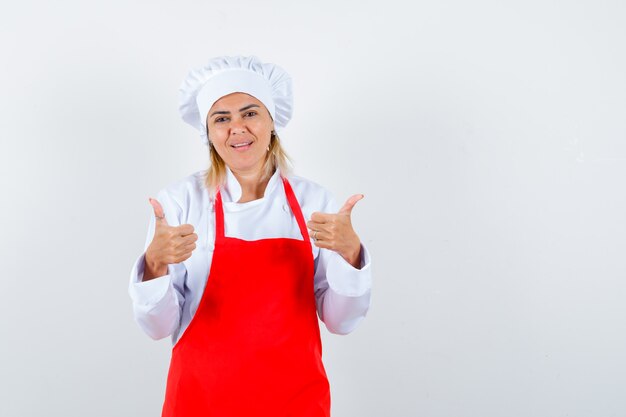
pixel 310 194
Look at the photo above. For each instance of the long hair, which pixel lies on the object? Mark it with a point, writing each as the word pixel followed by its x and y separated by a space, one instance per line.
pixel 215 175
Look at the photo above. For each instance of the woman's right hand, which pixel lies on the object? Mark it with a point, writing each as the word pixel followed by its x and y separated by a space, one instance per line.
pixel 170 244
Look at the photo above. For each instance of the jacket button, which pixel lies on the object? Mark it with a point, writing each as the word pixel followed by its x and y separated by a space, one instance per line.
pixel 286 208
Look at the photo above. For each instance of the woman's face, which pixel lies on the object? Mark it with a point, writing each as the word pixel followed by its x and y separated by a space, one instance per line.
pixel 240 128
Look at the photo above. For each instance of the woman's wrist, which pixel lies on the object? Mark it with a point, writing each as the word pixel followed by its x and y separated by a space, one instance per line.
pixel 153 269
pixel 354 257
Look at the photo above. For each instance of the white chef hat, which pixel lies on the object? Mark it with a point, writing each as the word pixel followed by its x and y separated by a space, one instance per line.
pixel 268 83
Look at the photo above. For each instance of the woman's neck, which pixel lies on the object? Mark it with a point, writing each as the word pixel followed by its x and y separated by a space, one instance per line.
pixel 252 185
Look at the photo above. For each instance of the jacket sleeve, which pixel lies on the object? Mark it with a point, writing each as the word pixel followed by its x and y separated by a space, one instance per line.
pixel 342 291
pixel 157 303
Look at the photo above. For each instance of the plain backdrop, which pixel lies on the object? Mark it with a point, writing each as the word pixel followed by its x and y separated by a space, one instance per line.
pixel 489 139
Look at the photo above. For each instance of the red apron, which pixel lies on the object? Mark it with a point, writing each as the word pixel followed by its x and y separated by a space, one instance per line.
pixel 253 347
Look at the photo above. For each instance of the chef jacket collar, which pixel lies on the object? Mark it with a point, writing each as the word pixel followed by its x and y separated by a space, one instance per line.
pixel 231 192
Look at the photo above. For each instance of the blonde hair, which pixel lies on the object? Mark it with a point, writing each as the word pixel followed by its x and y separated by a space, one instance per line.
pixel 215 175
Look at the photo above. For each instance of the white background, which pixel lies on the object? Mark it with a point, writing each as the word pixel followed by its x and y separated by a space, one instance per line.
pixel 489 139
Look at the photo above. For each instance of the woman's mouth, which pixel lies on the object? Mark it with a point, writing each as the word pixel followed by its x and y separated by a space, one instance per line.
pixel 241 146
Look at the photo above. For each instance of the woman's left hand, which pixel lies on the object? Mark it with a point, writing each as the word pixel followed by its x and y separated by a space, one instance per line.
pixel 335 232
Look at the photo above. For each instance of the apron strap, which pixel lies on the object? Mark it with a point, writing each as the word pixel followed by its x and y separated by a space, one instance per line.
pixel 295 208
pixel 219 216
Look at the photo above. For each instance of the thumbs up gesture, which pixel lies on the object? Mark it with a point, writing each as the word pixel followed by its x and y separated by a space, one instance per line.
pixel 170 244
pixel 335 232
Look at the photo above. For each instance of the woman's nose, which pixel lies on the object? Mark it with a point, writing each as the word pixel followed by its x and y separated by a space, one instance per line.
pixel 237 127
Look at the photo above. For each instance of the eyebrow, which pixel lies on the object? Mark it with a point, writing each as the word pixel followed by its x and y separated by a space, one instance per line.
pixel 249 106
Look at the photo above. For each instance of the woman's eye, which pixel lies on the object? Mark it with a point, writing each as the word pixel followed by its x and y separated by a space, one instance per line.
pixel 250 113
pixel 220 119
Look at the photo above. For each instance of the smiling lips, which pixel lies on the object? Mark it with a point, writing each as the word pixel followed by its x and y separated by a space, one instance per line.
pixel 242 146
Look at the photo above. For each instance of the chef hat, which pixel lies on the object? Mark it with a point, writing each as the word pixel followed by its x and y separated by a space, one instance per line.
pixel 223 75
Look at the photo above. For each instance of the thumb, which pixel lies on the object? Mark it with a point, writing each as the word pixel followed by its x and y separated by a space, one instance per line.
pixel 158 211
pixel 349 204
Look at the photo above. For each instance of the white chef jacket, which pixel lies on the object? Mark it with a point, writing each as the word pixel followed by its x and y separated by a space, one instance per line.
pixel 164 306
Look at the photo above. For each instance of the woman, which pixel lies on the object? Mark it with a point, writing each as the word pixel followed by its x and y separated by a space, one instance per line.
pixel 229 271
